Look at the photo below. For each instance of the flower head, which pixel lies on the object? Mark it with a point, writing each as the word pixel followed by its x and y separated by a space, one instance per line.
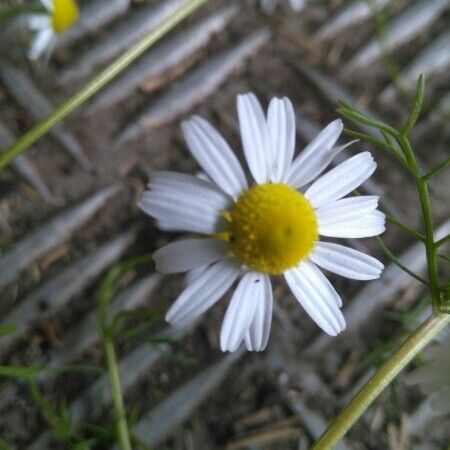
pixel 272 227
pixel 60 16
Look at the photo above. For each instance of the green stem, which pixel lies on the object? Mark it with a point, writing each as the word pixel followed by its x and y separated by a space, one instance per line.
pixel 431 250
pixel 97 83
pixel 430 247
pixel 116 392
pixel 380 380
pixel 432 173
pixel 380 144
pixel 405 227
pixel 398 263
pixel 442 241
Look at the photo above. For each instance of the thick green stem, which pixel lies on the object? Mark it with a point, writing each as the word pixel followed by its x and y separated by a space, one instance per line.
pixel 384 375
pixel 431 250
pixel 97 83
pixel 116 392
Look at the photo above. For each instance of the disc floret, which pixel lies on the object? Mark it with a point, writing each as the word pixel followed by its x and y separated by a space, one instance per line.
pixel 271 228
pixel 65 13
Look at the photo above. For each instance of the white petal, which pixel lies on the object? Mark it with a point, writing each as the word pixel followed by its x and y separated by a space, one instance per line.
pixel 341 180
pixel 255 137
pixel 311 271
pixel 39 22
pixel 214 155
pixel 281 125
pixel 193 274
pixel 259 331
pixel 316 156
pixel 189 254
pixel 184 202
pixel 40 44
pixel 316 297
pixel 346 209
pixel 346 261
pixel 203 292
pixel 166 226
pixel 240 311
pixel 368 225
pixel 48 4
pixel 297 5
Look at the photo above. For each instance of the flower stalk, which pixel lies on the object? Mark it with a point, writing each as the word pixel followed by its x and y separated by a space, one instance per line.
pixel 78 99
pixel 116 393
pixel 380 380
pixel 424 197
pixel 107 325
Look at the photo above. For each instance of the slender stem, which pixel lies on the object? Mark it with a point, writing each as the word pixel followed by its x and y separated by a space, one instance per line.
pixel 348 111
pixel 442 241
pixel 116 392
pixel 97 83
pixel 398 263
pixel 376 142
pixel 405 227
pixel 380 380
pixel 432 173
pixel 430 247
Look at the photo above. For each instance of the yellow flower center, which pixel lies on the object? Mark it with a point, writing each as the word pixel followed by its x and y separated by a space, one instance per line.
pixel 271 228
pixel 65 13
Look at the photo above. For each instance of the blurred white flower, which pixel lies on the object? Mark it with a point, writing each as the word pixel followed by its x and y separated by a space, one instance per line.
pixel 270 5
pixel 269 228
pixel 60 16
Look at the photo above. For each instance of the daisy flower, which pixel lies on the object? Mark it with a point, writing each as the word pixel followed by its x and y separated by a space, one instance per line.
pixel 60 16
pixel 270 5
pixel 269 228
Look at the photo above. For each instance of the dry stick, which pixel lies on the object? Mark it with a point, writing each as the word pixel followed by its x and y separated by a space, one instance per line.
pixel 97 83
pixel 381 379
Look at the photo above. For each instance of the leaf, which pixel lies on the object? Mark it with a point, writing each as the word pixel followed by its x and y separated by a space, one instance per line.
pixel 417 106
pixel 4 445
pixel 353 114
pixel 109 283
pixel 76 368
pixel 9 12
pixel 180 358
pixel 59 424
pixel 84 445
pixel 148 318
pixel 19 372
pixel 7 329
